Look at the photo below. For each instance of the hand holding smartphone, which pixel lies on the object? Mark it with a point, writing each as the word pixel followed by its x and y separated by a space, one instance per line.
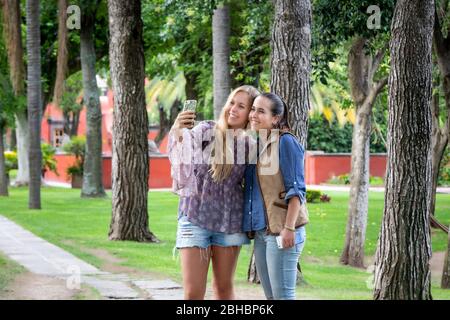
pixel 190 105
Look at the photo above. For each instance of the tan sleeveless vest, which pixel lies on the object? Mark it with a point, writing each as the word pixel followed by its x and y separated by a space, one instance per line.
pixel 272 187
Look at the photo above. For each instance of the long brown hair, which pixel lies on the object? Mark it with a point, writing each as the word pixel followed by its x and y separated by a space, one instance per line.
pixel 220 170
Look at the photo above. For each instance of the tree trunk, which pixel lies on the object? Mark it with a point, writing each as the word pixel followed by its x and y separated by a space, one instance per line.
pixel 92 170
pixel 221 57
pixel 440 136
pixel 439 141
pixel 63 56
pixel 13 140
pixel 13 39
pixel 291 61
pixel 34 101
pixel 166 121
pixel 23 147
pixel 71 122
pixel 3 178
pixel 130 167
pixel 402 268
pixel 445 281
pixel 361 69
pixel 252 273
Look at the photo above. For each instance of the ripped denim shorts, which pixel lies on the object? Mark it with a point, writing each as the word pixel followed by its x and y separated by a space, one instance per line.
pixel 190 235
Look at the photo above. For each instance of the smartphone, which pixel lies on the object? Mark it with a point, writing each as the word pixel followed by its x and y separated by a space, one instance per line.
pixel 190 105
pixel 280 241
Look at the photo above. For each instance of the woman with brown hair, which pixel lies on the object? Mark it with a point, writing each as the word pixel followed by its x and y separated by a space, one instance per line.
pixel 274 203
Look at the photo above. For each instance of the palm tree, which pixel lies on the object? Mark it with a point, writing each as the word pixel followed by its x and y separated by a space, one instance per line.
pixel 34 101
pixel 221 57
pixel 13 39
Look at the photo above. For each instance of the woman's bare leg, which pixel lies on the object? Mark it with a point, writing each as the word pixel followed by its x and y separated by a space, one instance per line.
pixel 194 266
pixel 224 262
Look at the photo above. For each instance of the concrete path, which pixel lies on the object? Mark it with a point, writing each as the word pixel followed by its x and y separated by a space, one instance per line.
pixel 41 257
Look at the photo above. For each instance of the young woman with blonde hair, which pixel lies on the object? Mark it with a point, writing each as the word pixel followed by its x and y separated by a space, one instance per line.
pixel 211 194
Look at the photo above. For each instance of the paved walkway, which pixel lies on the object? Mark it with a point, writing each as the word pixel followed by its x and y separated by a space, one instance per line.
pixel 43 258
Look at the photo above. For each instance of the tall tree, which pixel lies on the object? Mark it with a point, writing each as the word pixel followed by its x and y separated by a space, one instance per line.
pixel 13 39
pixel 221 57
pixel 367 32
pixel 291 67
pixel 402 268
pixel 291 60
pixel 440 135
pixel 34 101
pixel 3 178
pixel 362 67
pixel 63 56
pixel 130 166
pixel 92 171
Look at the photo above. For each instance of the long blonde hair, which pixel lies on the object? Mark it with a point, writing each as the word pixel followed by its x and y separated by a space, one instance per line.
pixel 220 170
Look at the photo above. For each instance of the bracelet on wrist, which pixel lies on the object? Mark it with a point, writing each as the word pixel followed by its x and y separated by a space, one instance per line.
pixel 290 229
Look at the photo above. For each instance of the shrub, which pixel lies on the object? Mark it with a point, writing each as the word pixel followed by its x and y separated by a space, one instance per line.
pixel 48 158
pixel 10 160
pixel 325 198
pixel 313 195
pixel 77 147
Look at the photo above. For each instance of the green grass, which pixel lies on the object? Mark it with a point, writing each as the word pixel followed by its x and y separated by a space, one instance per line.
pixel 74 224
pixel 8 271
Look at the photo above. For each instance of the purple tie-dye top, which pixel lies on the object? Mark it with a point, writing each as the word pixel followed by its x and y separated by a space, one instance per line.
pixel 213 206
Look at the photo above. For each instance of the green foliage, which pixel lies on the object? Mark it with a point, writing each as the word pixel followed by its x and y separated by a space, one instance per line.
pixel 344 179
pixel 330 138
pixel 48 158
pixel 71 99
pixel 444 171
pixel 313 195
pixel 337 21
pixel 77 147
pixel 178 38
pixel 10 161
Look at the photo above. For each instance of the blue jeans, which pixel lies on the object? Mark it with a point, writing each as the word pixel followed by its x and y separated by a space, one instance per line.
pixel 277 268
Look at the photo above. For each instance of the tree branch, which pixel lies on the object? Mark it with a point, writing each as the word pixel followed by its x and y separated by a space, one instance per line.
pixel 378 59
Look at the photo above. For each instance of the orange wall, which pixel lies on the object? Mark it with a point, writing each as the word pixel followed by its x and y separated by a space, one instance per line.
pixel 319 168
pixel 159 171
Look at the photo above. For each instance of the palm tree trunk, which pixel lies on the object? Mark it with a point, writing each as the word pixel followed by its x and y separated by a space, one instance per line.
pixel 221 57
pixel 34 101
pixel 3 178
pixel 402 270
pixel 130 164
pixel 13 39
pixel 92 171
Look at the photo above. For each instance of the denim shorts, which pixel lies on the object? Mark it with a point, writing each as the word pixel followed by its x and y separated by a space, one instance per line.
pixel 190 235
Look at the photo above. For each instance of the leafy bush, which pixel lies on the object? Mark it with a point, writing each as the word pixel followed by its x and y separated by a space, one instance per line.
pixel 77 147
pixel 341 179
pixel 325 198
pixel 444 172
pixel 313 195
pixel 48 158
pixel 10 160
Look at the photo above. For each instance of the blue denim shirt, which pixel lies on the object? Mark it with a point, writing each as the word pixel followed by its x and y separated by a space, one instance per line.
pixel 293 172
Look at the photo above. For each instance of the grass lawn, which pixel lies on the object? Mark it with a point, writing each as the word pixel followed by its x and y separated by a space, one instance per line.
pixel 8 271
pixel 75 224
